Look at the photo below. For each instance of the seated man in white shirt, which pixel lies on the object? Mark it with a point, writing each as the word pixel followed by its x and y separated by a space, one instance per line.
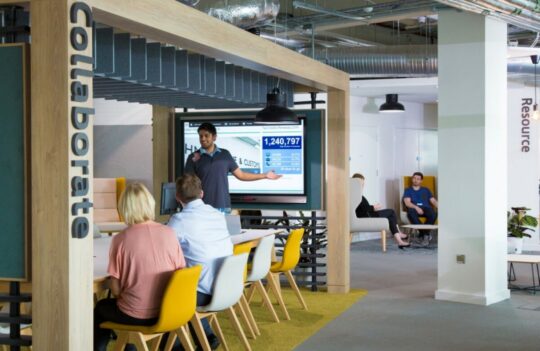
pixel 204 237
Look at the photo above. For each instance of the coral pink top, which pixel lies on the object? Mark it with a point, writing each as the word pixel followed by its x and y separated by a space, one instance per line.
pixel 143 257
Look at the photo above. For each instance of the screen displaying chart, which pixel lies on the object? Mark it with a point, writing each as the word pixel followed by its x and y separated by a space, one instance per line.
pixel 258 149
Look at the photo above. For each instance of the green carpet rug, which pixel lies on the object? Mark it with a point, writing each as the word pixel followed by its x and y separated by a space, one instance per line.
pixel 286 335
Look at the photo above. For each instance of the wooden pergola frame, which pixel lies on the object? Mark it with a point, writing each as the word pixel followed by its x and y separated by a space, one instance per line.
pixel 62 278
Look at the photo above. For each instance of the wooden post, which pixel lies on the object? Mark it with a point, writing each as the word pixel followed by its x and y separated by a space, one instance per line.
pixel 161 151
pixel 61 153
pixel 337 187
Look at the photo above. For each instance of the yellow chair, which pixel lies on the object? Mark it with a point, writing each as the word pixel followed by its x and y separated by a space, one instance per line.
pixel 177 308
pixel 429 182
pixel 291 256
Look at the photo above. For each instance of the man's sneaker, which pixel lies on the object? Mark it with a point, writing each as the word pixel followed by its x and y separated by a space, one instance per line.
pixel 426 240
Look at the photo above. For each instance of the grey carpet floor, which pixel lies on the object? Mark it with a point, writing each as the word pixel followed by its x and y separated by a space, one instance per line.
pixel 400 312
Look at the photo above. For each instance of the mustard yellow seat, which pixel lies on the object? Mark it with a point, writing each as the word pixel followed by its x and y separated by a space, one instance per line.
pixel 291 256
pixel 177 308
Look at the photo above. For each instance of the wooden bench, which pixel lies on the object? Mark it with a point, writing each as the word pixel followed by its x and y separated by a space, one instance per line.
pixel 106 194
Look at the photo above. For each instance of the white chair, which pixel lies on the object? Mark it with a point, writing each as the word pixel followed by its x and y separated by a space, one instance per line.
pixel 260 267
pixel 364 225
pixel 228 289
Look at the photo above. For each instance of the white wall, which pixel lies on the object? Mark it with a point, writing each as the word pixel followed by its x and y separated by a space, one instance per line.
pixel 394 159
pixel 523 163
pixel 377 147
pixel 123 141
pixel 112 112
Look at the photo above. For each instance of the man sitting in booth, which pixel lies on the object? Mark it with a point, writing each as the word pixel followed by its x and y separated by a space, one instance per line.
pixel 204 238
pixel 420 203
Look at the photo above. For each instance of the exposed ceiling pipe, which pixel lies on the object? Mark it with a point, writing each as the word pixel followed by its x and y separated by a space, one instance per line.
pixel 388 61
pixel 244 13
pixel 381 12
pixel 520 17
pixel 525 5
pixel 319 9
pixel 397 61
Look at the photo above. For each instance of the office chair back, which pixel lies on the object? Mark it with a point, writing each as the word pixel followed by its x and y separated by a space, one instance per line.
pixel 262 259
pixel 229 283
pixel 179 300
pixel 291 252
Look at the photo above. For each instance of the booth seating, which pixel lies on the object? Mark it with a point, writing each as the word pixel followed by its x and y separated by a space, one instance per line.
pixel 177 308
pixel 228 288
pixel 368 224
pixel 107 191
pixel 291 256
pixel 405 182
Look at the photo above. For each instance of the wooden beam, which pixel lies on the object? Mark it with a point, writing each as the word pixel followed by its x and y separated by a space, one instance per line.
pixel 11 2
pixel 171 22
pixel 161 142
pixel 337 187
pixel 62 265
pixel 299 88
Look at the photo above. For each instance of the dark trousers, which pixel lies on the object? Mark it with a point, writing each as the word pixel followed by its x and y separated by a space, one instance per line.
pixel 106 310
pixel 429 214
pixel 392 218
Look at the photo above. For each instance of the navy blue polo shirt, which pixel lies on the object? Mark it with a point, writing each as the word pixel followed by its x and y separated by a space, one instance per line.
pixel 419 197
pixel 212 169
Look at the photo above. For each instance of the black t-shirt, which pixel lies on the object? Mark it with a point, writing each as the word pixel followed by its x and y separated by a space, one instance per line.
pixel 213 171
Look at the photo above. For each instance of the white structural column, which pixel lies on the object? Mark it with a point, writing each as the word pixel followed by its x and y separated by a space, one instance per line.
pixel 472 159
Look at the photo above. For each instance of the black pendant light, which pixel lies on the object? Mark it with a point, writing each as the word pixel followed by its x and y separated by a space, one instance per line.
pixel 276 111
pixel 391 105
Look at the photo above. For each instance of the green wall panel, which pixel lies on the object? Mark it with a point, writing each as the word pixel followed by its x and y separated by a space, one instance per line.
pixel 12 160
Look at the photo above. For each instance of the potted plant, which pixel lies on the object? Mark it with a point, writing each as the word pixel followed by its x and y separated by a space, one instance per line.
pixel 518 223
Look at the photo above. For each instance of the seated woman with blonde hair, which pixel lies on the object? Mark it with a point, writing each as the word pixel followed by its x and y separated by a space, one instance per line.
pixel 364 209
pixel 142 259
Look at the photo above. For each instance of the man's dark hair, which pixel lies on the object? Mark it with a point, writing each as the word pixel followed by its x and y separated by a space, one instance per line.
pixel 209 127
pixel 418 174
pixel 188 188
pixel 359 176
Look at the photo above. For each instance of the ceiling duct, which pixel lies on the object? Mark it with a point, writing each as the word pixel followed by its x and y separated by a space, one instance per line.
pixel 520 13
pixel 386 61
pixel 399 61
pixel 242 13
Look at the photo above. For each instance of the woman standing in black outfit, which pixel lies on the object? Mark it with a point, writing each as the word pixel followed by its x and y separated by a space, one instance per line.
pixel 364 209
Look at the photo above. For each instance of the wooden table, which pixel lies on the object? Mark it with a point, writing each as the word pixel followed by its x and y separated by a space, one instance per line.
pixel 111 227
pixel 533 260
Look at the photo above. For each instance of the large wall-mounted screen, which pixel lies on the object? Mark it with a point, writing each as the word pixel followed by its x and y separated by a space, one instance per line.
pixel 258 149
